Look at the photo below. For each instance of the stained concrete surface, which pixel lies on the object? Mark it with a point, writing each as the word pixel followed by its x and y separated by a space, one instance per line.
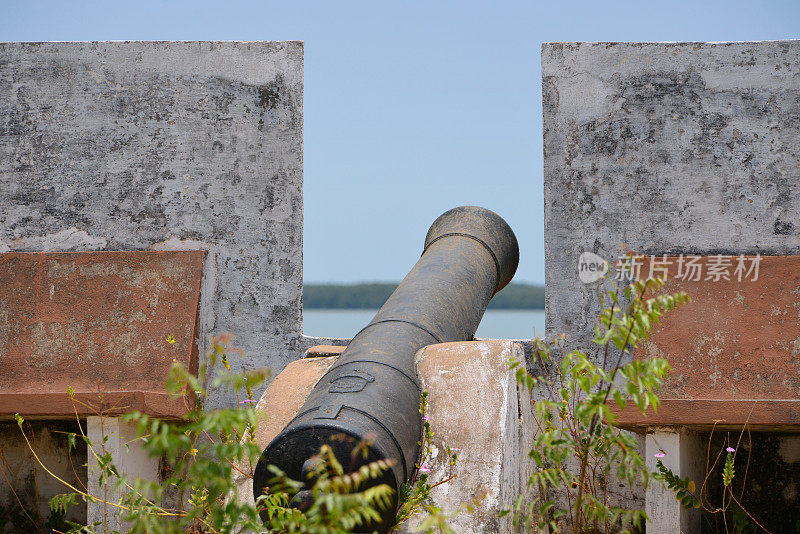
pixel 477 407
pixel 733 350
pixel 665 148
pixel 165 146
pixel 109 325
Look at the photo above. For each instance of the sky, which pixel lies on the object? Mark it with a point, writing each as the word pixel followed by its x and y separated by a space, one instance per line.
pixel 410 108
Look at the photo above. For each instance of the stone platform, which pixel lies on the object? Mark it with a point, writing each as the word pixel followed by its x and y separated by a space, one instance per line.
pixel 475 405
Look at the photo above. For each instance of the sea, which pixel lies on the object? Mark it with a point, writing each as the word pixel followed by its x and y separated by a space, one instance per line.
pixel 496 324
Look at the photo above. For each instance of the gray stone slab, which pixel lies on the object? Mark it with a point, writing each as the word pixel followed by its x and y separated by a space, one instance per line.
pixel 666 148
pixel 166 145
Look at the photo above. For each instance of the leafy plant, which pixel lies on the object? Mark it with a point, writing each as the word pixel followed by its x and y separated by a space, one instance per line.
pixel 729 510
pixel 728 472
pixel 683 487
pixel 337 505
pixel 578 450
pixel 415 495
pixel 197 493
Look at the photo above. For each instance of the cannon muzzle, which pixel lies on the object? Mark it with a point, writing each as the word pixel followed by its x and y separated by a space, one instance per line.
pixel 372 392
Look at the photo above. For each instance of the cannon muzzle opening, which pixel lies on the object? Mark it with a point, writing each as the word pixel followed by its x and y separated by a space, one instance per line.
pixel 372 392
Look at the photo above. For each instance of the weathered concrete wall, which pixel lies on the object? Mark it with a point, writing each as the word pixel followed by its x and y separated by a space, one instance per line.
pixel 666 148
pixel 491 427
pixel 166 145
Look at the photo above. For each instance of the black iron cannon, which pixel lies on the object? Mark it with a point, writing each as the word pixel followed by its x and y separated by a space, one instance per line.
pixel 372 391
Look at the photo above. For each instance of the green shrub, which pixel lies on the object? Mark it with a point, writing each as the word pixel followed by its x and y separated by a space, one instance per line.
pixel 578 451
pixel 197 493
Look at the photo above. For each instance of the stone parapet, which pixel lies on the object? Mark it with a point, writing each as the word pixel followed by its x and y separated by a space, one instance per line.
pixel 474 406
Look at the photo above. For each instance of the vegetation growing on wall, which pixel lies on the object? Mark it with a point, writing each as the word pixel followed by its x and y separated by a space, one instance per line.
pixel 198 493
pixel 578 451
pixel 727 494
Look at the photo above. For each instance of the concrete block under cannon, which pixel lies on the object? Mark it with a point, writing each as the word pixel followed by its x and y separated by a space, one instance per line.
pixel 373 390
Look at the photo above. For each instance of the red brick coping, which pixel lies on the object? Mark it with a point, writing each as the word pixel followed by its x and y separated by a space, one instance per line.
pixel 734 350
pixel 107 324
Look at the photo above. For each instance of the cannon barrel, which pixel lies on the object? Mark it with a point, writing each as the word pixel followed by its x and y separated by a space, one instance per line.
pixel 372 392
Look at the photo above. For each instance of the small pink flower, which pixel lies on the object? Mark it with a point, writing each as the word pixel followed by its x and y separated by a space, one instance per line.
pixel 730 449
pixel 659 455
pixel 424 470
pixel 246 401
pixel 424 417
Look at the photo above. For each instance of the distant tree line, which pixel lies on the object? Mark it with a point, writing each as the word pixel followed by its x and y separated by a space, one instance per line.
pixel 373 295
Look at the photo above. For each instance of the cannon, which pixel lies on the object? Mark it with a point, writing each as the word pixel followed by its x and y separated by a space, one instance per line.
pixel 372 392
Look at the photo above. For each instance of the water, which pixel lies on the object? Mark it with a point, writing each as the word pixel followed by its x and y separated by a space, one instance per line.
pixel 498 324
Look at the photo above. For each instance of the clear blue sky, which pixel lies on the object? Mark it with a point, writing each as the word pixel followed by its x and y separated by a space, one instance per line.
pixel 411 108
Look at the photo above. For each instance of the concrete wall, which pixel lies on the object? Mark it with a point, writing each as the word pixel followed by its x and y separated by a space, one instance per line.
pixel 166 145
pixel 666 148
pixel 157 146
pixel 25 489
